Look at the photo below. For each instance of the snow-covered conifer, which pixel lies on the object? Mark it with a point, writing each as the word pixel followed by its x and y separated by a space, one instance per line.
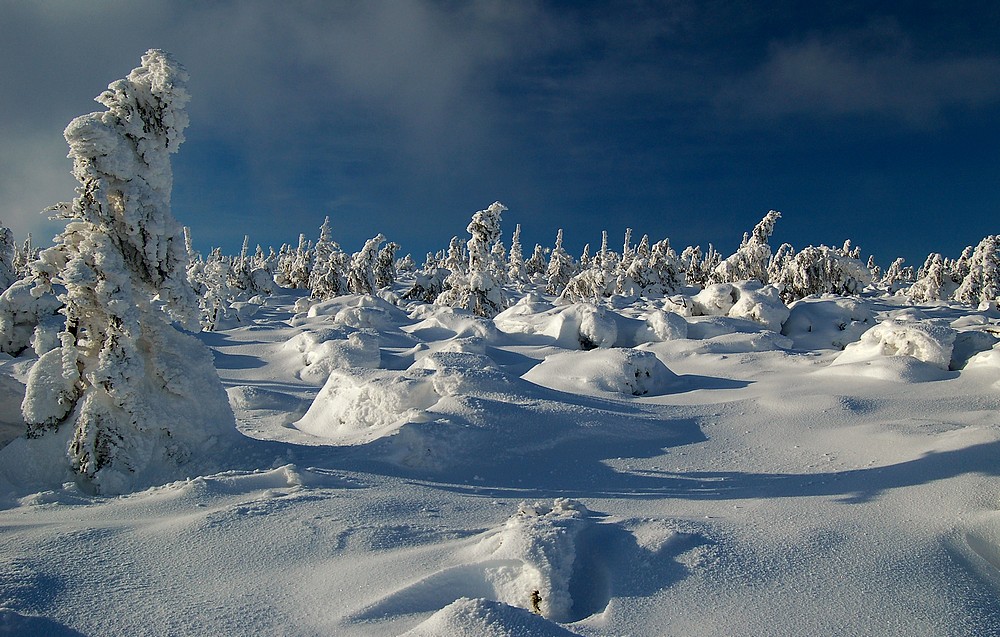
pixel 561 268
pixel 874 268
pixel 406 264
pixel 516 272
pixel 8 250
pixel 750 261
pixel 385 265
pixel 428 281
pixel 896 276
pixel 478 291
pixel 931 285
pixel 821 270
pixel 455 262
pixel 982 283
pixel 361 273
pixel 129 391
pixel 536 262
pixel 300 265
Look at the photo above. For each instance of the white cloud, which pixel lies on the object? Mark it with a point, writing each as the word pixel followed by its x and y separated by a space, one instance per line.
pixel 876 70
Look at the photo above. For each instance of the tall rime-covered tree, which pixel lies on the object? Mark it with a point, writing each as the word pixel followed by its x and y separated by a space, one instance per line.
pixel 130 392
pixel 477 289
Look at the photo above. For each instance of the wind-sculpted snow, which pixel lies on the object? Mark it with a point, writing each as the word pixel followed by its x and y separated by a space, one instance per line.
pixel 677 474
pixel 624 372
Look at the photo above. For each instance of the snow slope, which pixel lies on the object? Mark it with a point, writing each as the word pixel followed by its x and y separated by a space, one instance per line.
pixel 416 470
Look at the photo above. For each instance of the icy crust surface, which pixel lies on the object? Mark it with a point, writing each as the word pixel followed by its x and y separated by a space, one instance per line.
pixel 636 467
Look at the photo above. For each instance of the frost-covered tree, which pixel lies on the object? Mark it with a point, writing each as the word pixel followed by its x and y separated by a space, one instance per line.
pixel 327 272
pixel 933 281
pixel 896 276
pixel 300 265
pixel 821 270
pixel 456 257
pixel 478 290
pixel 516 272
pixel 385 265
pixel 23 258
pixel 361 273
pixel 536 262
pixel 130 393
pixel 750 261
pixel 982 283
pixel 561 268
pixel 8 250
pixel 406 264
pixel 428 281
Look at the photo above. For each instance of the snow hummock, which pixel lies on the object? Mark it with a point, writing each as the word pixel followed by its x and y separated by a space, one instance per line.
pixel 628 372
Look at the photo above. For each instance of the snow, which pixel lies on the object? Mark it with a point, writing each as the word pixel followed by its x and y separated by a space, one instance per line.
pixel 418 470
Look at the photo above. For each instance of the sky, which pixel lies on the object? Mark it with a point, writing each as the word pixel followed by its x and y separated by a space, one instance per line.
pixel 875 122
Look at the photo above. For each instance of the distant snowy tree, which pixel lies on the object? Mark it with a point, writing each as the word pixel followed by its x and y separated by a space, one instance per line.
pixel 932 285
pixel 455 262
pixel 821 270
pixel 135 393
pixel 428 281
pixel 873 267
pixel 516 272
pixel 982 283
pixel 536 263
pixel 406 264
pixel 326 255
pixel 300 265
pixel 385 265
pixel 478 290
pixel 361 273
pixel 585 257
pixel 896 276
pixel 8 250
pixel 750 261
pixel 23 257
pixel 561 268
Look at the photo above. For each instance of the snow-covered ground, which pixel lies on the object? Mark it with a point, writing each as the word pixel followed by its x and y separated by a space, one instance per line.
pixel 416 470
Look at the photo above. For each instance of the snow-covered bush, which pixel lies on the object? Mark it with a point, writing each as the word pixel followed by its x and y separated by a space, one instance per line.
pixel 131 395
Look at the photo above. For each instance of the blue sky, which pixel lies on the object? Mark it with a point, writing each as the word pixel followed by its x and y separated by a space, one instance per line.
pixel 876 122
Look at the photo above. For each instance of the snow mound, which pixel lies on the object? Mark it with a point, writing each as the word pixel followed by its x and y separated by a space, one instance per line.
pixel 589 326
pixel 252 397
pixel 662 326
pixel 438 323
pixel 536 551
pixel 923 341
pixel 747 300
pixel 485 618
pixel 358 405
pixel 827 322
pixel 327 349
pixel 356 311
pixel 615 371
